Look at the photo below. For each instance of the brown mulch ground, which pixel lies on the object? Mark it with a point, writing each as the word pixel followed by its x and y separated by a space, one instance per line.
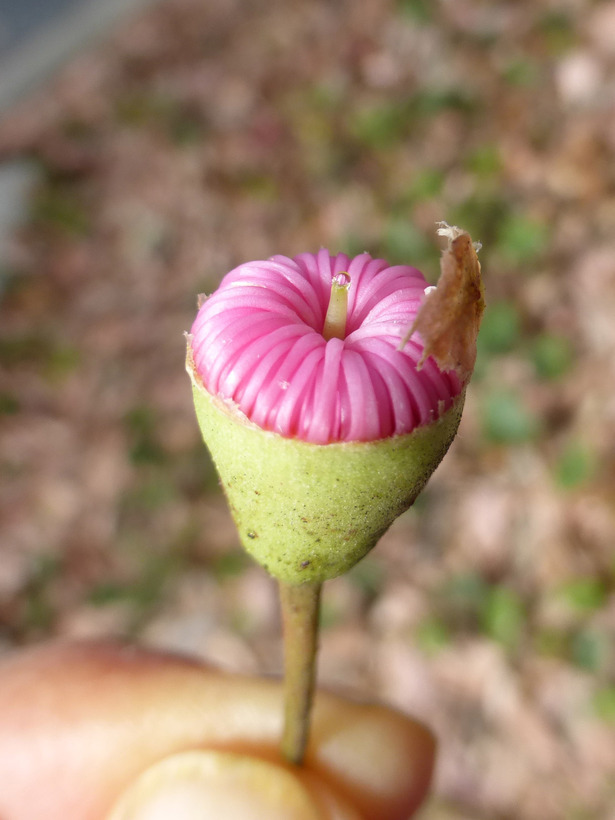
pixel 206 134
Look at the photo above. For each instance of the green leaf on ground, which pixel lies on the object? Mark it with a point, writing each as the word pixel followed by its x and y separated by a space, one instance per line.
pixel 418 11
pixel 576 465
pixel 506 419
pixel 432 635
pixel 522 239
pixel 500 328
pixel 551 356
pixel 590 650
pixel 404 243
pixel 503 617
pixel 583 594
pixel 604 704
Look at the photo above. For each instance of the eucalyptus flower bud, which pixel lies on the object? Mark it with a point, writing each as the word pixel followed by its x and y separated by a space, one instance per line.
pixel 328 389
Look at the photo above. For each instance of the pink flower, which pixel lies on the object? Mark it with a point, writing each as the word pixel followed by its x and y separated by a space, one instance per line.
pixel 258 341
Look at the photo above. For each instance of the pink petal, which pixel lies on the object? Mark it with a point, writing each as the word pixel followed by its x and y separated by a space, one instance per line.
pixel 258 341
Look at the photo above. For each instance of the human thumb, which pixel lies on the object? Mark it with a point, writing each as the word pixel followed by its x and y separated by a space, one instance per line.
pixel 200 785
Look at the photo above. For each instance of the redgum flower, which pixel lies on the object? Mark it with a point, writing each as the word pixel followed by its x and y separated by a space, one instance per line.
pixel 321 405
pixel 328 389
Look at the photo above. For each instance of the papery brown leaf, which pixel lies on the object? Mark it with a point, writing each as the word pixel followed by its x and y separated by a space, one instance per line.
pixel 449 318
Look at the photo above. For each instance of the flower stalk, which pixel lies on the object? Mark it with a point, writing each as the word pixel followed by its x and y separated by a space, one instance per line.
pixel 300 613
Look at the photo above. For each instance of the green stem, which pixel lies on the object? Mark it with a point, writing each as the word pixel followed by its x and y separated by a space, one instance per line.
pixel 300 609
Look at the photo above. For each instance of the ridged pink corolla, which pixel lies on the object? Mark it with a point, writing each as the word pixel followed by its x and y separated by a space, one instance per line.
pixel 258 341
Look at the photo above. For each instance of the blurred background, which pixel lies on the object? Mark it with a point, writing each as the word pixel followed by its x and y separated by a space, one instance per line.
pixel 194 136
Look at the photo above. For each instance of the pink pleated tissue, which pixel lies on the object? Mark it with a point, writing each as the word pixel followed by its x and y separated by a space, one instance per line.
pixel 258 341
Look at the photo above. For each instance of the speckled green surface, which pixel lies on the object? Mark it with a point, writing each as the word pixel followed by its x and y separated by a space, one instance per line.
pixel 309 512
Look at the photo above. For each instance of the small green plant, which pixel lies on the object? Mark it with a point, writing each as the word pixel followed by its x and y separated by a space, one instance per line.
pixel 522 239
pixel 503 616
pixel 551 356
pixel 576 465
pixel 507 420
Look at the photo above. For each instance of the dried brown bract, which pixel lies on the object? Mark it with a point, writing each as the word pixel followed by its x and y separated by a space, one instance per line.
pixel 450 316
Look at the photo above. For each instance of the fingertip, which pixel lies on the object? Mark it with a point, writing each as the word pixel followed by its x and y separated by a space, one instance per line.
pixel 129 708
pixel 382 758
pixel 208 785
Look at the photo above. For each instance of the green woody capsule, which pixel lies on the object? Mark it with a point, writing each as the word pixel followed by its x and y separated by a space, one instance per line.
pixel 309 512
